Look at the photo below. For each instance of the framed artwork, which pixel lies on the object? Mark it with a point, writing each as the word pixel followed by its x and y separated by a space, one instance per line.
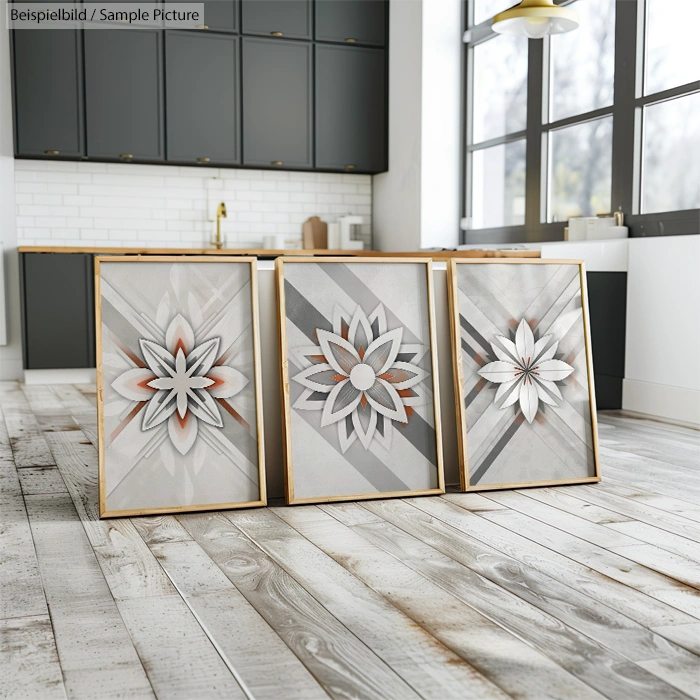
pixel 359 379
pixel 178 384
pixel 523 372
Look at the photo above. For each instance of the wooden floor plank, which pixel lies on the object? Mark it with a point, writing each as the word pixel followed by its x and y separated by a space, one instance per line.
pixel 248 644
pixel 28 659
pixel 72 399
pixel 634 529
pixel 656 501
pixel 514 666
pixel 95 650
pixel 159 529
pixel 430 668
pixel 537 606
pixel 179 658
pixel 338 660
pixel 128 565
pixel 636 510
pixel 26 438
pixel 668 590
pixel 533 506
pixel 35 480
pixel 635 604
pixel 135 577
pixel 665 448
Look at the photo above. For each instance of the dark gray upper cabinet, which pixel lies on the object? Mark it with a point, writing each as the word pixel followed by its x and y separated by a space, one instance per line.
pixel 58 308
pixel 277 103
pixel 350 109
pixel 48 88
pixel 124 93
pixel 352 21
pixel 286 18
pixel 221 15
pixel 202 97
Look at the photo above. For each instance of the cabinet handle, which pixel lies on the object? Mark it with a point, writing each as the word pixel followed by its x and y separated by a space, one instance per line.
pixel 351 41
pixel 203 160
pixel 276 162
pixel 51 153
pixel 276 33
pixel 202 26
pixel 349 167
pixel 126 156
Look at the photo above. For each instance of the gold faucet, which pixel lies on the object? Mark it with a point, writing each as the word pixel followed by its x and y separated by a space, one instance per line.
pixel 221 211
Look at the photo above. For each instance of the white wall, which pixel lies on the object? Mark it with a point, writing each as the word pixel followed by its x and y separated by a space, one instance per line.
pixel 397 193
pixel 416 203
pixel 662 346
pixel 10 354
pixel 126 204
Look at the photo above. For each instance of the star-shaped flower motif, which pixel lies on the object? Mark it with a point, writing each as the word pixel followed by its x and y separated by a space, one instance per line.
pixel 526 371
pixel 357 379
pixel 180 383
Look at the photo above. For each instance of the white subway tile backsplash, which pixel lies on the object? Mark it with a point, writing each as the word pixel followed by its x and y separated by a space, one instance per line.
pixel 126 204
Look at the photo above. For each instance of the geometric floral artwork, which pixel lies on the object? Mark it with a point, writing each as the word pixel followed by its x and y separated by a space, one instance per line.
pixel 523 373
pixel 527 381
pixel 180 408
pixel 358 362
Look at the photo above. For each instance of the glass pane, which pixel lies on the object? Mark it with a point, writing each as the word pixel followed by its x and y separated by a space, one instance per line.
pixel 583 61
pixel 485 9
pixel 580 167
pixel 671 165
pixel 498 186
pixel 673 52
pixel 500 87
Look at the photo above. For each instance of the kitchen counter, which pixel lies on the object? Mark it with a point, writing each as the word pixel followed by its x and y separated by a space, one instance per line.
pixel 260 252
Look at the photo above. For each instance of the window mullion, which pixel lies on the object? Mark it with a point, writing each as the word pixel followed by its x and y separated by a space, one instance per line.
pixel 626 119
pixel 533 152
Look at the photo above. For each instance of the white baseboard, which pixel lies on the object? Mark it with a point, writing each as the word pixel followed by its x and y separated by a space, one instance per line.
pixel 658 400
pixel 59 376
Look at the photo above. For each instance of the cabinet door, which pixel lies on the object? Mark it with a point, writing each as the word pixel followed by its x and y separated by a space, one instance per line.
pixel 48 86
pixel 124 93
pixel 350 109
pixel 202 100
pixel 58 310
pixel 221 15
pixel 352 21
pixel 277 108
pixel 288 18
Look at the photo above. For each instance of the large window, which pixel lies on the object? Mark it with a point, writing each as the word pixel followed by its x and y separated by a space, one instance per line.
pixel 601 119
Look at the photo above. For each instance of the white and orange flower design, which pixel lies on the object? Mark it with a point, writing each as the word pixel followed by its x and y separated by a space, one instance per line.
pixel 526 371
pixel 180 382
pixel 361 377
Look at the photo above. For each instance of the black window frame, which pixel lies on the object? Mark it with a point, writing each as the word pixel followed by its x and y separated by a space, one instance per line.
pixel 627 141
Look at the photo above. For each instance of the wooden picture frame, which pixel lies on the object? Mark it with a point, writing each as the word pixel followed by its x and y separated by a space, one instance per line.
pixel 242 384
pixel 329 282
pixel 466 339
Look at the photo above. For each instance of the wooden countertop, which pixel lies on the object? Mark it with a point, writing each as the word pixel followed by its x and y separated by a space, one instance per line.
pixel 257 252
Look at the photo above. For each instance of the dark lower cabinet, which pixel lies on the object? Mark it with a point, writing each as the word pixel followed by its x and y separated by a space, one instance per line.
pixel 277 103
pixel 607 303
pixel 48 82
pixel 281 18
pixel 352 21
pixel 350 109
pixel 58 316
pixel 202 88
pixel 124 94
pixel 221 15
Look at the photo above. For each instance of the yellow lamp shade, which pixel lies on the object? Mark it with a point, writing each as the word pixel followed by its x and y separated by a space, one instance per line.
pixel 535 19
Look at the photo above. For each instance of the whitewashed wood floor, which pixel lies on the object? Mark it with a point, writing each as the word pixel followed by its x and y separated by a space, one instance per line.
pixel 570 592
